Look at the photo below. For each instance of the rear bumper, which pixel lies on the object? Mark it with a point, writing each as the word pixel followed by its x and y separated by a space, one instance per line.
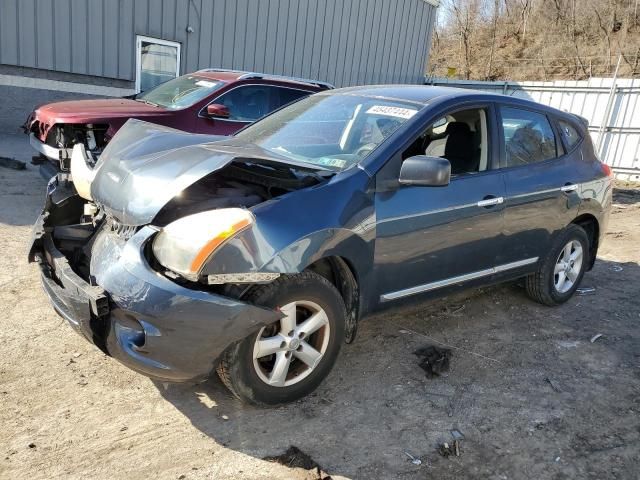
pixel 139 317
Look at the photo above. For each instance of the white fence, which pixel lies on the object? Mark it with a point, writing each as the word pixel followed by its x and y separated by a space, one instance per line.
pixel 613 111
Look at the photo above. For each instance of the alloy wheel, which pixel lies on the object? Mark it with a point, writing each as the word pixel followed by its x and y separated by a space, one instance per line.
pixel 288 351
pixel 568 266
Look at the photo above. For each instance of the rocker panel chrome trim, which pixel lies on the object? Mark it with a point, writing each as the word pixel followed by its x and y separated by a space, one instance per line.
pixel 454 280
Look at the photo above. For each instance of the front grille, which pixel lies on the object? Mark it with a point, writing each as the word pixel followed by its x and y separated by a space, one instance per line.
pixel 120 229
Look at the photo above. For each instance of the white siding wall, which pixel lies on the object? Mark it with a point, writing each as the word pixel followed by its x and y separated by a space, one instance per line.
pixel 344 42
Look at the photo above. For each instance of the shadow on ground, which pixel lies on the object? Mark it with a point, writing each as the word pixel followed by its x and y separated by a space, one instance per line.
pixel 527 388
pixel 625 196
pixel 21 191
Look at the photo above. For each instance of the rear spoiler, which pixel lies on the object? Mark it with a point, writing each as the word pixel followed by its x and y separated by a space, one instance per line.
pixel 582 120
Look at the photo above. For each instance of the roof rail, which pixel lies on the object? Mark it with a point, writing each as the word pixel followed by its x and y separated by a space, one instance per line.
pixel 219 70
pixel 267 76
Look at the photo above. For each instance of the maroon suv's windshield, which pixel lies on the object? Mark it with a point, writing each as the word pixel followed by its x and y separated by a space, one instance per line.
pixel 181 92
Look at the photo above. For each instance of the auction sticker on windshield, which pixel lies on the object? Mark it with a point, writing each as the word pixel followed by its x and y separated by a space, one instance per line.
pixel 398 112
pixel 204 83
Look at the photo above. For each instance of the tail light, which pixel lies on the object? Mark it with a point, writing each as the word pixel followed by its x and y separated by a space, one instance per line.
pixel 606 169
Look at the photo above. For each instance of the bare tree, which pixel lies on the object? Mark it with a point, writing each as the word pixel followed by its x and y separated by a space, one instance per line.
pixel 530 39
pixel 496 7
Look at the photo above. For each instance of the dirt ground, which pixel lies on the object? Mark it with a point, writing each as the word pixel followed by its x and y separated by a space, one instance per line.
pixel 533 397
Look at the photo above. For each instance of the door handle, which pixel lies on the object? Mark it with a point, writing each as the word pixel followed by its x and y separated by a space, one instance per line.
pixel 569 187
pixel 489 202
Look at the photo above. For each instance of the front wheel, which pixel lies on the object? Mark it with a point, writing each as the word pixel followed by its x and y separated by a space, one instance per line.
pixel 287 359
pixel 562 269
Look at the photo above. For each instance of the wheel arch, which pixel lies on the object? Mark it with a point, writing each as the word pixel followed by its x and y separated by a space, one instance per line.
pixel 591 226
pixel 343 275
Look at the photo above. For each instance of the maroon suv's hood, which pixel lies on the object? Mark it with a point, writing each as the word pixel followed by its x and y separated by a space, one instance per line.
pixel 87 111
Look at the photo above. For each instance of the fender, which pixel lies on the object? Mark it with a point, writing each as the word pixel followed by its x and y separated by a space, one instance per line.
pixel 348 231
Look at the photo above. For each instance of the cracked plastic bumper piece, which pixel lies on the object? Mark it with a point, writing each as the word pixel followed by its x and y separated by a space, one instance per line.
pixel 139 317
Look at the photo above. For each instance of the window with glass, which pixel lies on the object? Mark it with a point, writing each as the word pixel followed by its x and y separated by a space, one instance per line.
pixel 285 96
pixel 247 103
pixel 157 61
pixel 569 134
pixel 460 137
pixel 181 92
pixel 332 131
pixel 528 137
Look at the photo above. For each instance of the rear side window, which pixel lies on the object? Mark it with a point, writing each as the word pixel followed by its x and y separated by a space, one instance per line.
pixel 289 95
pixel 528 137
pixel 569 134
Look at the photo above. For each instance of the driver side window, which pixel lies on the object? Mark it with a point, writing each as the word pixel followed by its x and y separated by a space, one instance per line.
pixel 460 137
pixel 248 103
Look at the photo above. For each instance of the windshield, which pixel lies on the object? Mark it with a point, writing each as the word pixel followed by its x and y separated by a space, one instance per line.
pixel 181 92
pixel 332 131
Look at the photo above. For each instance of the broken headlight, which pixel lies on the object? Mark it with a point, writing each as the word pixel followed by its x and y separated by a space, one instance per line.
pixel 185 245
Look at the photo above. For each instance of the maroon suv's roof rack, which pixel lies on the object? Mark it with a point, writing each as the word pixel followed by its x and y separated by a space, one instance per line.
pixel 267 76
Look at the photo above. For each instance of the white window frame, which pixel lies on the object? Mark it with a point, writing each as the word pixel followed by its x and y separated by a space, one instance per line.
pixel 159 41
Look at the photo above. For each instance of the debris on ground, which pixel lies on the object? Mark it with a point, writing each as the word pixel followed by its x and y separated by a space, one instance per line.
pixel 414 460
pixel 434 360
pixel 617 268
pixel 457 434
pixel 554 385
pixel 296 458
pixel 595 337
pixel 12 163
pixel 454 309
pixel 585 291
pixel 447 450
pixel 32 445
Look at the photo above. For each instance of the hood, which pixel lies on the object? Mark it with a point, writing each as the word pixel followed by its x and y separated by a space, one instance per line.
pixel 85 111
pixel 145 166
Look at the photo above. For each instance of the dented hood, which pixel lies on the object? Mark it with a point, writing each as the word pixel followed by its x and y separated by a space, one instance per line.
pixel 146 165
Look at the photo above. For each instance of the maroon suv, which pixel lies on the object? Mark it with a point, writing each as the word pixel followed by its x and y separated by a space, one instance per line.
pixel 211 101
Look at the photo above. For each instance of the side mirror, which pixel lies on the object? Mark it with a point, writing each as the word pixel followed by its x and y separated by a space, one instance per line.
pixel 217 110
pixel 426 171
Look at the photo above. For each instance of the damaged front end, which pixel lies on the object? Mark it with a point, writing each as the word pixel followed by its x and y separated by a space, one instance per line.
pixel 110 268
pixel 55 142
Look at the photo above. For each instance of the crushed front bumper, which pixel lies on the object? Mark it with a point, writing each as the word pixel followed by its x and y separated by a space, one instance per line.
pixel 136 315
pixel 62 155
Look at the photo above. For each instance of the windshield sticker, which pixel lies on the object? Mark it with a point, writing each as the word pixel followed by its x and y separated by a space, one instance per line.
pixel 398 112
pixel 333 162
pixel 204 83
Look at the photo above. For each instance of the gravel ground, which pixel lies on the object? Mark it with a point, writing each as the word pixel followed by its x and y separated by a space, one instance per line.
pixel 533 397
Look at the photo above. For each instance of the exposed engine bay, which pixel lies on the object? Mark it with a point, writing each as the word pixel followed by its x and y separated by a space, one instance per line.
pixel 64 136
pixel 93 137
pixel 242 183
pixel 239 184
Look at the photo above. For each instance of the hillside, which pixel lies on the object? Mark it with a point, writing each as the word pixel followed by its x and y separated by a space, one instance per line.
pixel 535 39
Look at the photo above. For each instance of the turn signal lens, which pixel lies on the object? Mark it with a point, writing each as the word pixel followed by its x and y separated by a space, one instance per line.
pixel 184 246
pixel 606 169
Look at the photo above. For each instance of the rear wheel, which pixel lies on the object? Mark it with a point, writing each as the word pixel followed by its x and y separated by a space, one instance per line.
pixel 287 359
pixel 562 269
